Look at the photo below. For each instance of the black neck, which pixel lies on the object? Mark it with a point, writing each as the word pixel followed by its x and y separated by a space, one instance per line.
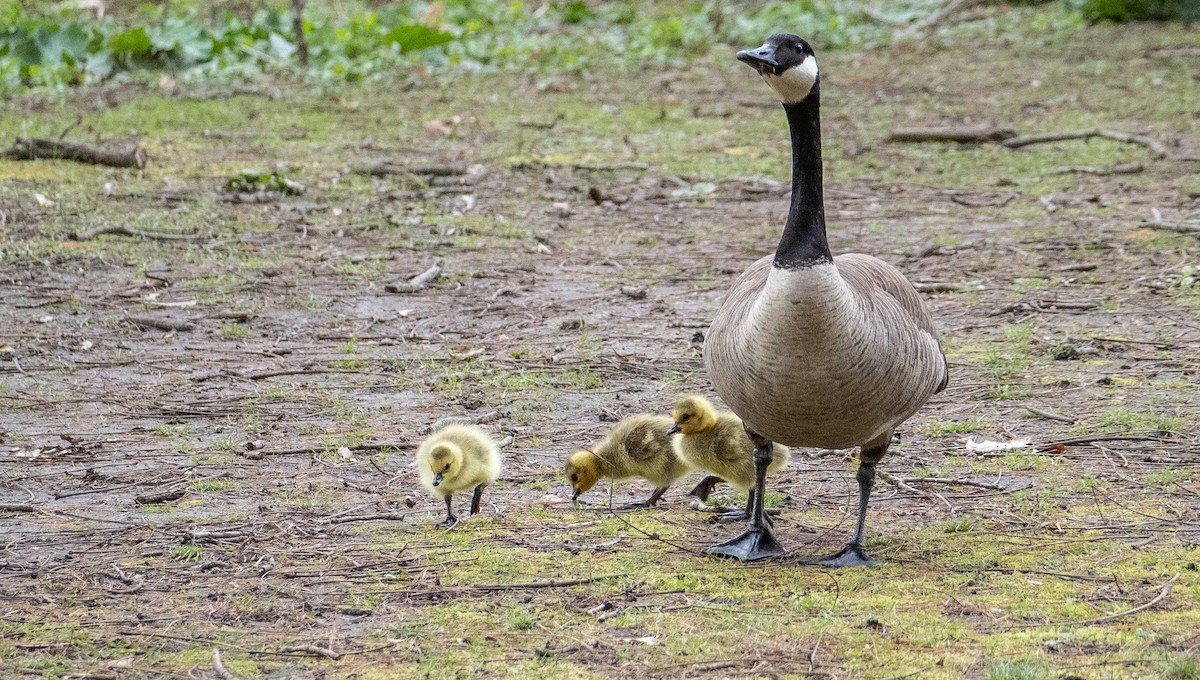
pixel 803 243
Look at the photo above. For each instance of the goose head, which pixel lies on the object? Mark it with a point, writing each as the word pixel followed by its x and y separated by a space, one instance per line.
pixel 787 63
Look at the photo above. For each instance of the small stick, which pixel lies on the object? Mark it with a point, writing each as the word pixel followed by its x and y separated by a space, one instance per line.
pixel 961 134
pixel 1155 147
pixel 30 149
pixel 126 231
pixel 1179 227
pixel 160 496
pixel 162 324
pixel 1049 415
pixel 536 585
pixel 322 449
pixel 944 12
pixel 944 286
pixel 633 165
pixel 389 516
pixel 1163 593
pixel 313 649
pixel 416 283
pixel 961 482
pixel 220 669
pixel 16 507
pixel 899 484
pixel 1118 169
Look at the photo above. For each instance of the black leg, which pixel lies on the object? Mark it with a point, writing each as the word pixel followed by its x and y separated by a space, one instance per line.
pixel 450 520
pixel 853 554
pixel 705 488
pixel 757 542
pixel 476 498
pixel 649 502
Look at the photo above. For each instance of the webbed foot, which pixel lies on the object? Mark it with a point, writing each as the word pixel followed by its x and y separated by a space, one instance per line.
pixel 852 555
pixel 447 523
pixel 755 544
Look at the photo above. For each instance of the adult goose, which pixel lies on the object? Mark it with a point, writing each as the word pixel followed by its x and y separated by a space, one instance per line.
pixel 813 350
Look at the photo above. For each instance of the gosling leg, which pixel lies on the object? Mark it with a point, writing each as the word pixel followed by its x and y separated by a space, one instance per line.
pixel 451 518
pixel 649 502
pixel 705 488
pixel 476 498
pixel 757 542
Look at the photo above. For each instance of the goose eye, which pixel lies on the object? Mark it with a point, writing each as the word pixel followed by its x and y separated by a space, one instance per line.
pixel 574 478
pixel 446 468
pixel 686 417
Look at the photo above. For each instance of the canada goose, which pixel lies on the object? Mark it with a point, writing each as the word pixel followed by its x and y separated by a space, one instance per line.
pixel 810 349
pixel 717 442
pixel 454 458
pixel 638 446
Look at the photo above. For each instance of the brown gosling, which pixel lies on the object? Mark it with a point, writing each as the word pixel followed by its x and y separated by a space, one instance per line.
pixel 716 441
pixel 454 458
pixel 638 446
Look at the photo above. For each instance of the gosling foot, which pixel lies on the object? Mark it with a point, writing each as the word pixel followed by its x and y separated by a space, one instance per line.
pixel 852 555
pixel 447 523
pixel 744 515
pixel 755 544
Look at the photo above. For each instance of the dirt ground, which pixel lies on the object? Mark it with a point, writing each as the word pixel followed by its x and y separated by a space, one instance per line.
pixel 243 482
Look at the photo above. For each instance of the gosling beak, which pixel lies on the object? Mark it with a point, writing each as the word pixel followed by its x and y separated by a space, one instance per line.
pixel 437 478
pixel 674 429
pixel 761 60
pixel 575 498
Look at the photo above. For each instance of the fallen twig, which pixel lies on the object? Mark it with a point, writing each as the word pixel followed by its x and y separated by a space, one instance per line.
pixel 381 168
pixel 1117 169
pixel 1155 147
pixel 387 516
pixel 417 282
pixel 944 286
pixel 322 449
pixel 960 482
pixel 1131 437
pixel 961 134
pixel 463 420
pixel 162 324
pixel 313 649
pixel 220 669
pixel 160 496
pixel 537 585
pixel 126 231
pixel 16 507
pixel 1049 415
pixel 941 14
pixel 1163 593
pixel 900 484
pixel 1178 227
pixel 30 148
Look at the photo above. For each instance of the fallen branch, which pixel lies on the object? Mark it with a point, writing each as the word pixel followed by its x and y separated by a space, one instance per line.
pixel 160 496
pixel 900 484
pixel 1131 437
pixel 1117 169
pixel 16 507
pixel 220 669
pixel 126 231
pixel 386 516
pixel 533 585
pixel 944 286
pixel 1155 147
pixel 30 149
pixel 381 168
pixel 962 135
pixel 322 449
pixel 162 324
pixel 1049 415
pixel 1178 227
pixel 417 282
pixel 1163 593
pixel 313 649
pixel 960 482
pixel 944 12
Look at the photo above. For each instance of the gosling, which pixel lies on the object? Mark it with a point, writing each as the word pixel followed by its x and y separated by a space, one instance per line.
pixel 454 458
pixel 717 442
pixel 638 446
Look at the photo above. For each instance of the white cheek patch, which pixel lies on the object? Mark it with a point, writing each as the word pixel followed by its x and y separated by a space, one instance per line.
pixel 796 82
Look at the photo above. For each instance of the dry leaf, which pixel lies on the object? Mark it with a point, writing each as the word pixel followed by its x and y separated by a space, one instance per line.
pixel 978 444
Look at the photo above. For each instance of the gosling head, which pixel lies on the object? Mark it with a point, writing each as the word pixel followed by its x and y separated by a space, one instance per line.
pixel 583 471
pixel 445 460
pixel 787 63
pixel 693 414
